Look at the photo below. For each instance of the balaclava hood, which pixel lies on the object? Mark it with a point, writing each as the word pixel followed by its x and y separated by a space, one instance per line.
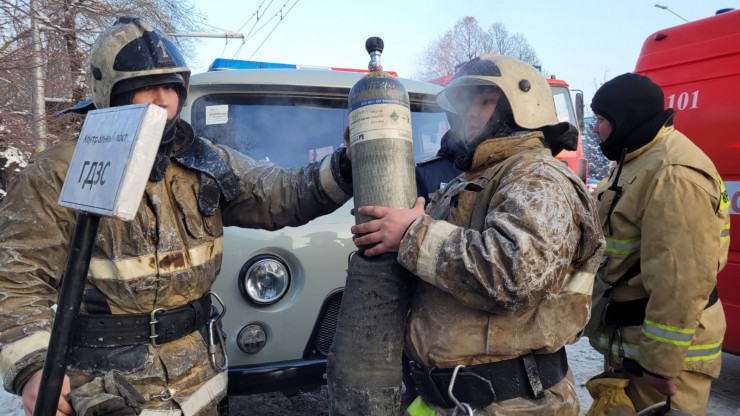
pixel 634 107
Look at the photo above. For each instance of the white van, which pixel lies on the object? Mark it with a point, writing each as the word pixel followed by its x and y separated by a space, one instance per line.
pixel 278 340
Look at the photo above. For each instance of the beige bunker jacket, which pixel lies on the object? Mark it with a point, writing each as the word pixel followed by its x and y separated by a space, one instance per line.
pixel 670 229
pixel 521 283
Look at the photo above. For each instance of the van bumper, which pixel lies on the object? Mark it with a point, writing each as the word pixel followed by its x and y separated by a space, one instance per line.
pixel 289 377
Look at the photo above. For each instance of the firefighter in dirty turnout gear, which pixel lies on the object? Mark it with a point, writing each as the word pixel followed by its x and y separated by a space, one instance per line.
pixel 505 255
pixel 141 343
pixel 665 214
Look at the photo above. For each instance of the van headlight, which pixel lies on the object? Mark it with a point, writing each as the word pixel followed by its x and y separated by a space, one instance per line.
pixel 264 280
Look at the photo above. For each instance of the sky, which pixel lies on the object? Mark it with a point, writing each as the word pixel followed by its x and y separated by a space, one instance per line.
pixel 582 42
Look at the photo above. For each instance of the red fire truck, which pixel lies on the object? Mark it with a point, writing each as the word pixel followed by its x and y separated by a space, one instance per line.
pixel 574 114
pixel 698 66
pixel 566 111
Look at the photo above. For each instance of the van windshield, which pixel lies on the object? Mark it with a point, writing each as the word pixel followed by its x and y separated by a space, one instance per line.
pixel 292 131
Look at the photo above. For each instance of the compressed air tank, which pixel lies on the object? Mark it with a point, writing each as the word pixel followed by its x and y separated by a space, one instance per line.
pixel 380 138
pixel 364 362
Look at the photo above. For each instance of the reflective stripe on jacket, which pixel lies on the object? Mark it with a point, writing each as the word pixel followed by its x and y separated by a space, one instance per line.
pixel 672 218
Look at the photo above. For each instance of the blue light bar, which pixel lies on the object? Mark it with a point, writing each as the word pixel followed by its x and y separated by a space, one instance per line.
pixel 222 64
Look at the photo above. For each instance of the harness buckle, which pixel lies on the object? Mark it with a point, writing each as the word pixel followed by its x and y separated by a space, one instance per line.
pixel 153 326
pixel 458 406
pixel 213 326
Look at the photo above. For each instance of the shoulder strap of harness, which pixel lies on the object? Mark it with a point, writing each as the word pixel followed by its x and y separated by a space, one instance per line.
pixel 493 175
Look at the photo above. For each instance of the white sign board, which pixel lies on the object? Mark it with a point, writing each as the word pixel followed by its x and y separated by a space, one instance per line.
pixel 217 114
pixel 112 160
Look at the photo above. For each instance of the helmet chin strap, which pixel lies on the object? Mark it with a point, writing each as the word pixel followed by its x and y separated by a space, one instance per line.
pixel 166 149
pixel 170 129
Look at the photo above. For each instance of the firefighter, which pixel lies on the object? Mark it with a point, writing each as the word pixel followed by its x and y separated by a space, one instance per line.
pixel 505 254
pixel 665 215
pixel 141 343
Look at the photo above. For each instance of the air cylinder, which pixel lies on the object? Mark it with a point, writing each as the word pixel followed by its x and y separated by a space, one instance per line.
pixel 364 368
pixel 381 138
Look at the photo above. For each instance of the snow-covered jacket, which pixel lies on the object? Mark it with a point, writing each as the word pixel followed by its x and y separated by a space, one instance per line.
pixel 523 282
pixel 167 256
pixel 673 219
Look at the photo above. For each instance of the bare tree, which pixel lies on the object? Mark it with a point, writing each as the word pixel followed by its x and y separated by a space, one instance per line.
pixel 68 30
pixel 468 40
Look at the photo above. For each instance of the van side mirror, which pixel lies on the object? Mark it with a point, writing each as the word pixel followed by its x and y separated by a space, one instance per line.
pixel 579 111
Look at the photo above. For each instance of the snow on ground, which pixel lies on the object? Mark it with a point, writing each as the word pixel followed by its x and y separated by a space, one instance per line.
pixel 585 363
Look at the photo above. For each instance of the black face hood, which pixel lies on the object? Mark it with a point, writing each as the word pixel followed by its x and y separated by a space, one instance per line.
pixel 634 107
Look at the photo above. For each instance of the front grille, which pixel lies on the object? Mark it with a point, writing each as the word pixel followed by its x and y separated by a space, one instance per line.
pixel 323 332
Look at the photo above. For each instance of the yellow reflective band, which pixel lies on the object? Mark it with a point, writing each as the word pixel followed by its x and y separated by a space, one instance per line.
pixel 330 186
pixel 725 234
pixel 630 350
pixel 212 389
pixel 137 267
pixel 704 352
pixel 13 352
pixel 426 265
pixel 724 198
pixel 419 408
pixel 581 282
pixel 695 352
pixel 622 246
pixel 667 334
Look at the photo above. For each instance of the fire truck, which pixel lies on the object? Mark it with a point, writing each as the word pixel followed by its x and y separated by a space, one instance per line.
pixel 566 111
pixel 698 66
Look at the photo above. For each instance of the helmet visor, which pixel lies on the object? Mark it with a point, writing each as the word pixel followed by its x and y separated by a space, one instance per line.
pixel 459 93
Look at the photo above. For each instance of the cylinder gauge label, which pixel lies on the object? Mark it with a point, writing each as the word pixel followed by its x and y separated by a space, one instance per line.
pixel 379 118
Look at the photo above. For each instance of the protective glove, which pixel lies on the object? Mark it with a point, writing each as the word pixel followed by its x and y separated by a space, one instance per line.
pixel 610 398
pixel 111 395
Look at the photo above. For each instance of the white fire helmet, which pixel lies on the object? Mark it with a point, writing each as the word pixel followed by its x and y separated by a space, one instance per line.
pixel 525 88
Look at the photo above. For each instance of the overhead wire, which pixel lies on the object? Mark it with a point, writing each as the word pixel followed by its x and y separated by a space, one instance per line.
pixel 249 34
pixel 258 17
pixel 256 28
pixel 282 16
pixel 255 13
